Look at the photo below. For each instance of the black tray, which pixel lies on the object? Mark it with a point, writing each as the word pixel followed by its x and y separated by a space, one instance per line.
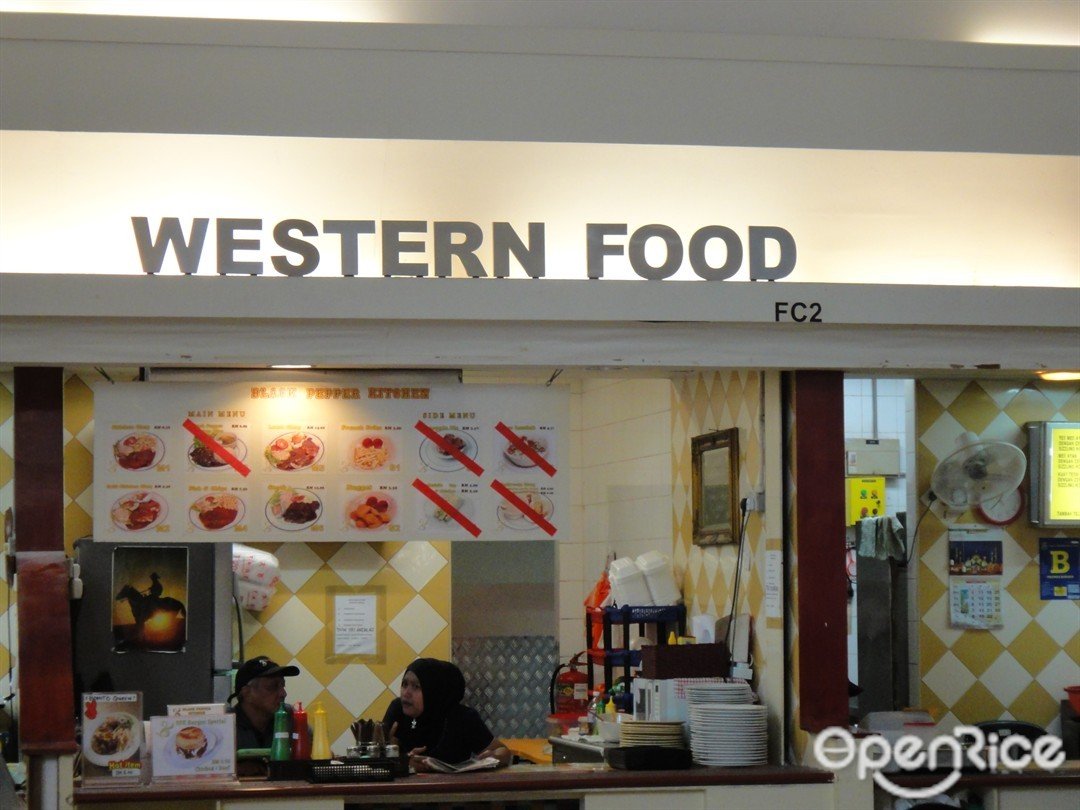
pixel 648 758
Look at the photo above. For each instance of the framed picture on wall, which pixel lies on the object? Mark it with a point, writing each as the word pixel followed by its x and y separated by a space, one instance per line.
pixel 714 458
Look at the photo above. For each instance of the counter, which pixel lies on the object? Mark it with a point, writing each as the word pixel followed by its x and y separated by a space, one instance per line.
pixel 591 787
pixel 1031 789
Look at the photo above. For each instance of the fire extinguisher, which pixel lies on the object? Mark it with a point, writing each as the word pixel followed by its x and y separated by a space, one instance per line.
pixel 569 693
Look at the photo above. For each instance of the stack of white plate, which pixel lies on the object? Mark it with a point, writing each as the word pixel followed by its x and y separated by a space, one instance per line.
pixel 699 693
pixel 729 734
pixel 648 732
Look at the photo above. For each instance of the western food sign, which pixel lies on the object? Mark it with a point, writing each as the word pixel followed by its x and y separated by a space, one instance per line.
pixel 653 251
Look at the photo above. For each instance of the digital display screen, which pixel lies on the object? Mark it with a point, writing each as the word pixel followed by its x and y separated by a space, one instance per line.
pixel 1063 480
pixel 1054 474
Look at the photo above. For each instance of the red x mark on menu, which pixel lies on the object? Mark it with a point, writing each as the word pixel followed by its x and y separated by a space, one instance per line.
pixel 526 510
pixel 526 449
pixel 447 507
pixel 216 446
pixel 449 448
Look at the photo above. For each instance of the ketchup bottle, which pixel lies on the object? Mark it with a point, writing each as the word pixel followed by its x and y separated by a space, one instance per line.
pixel 301 737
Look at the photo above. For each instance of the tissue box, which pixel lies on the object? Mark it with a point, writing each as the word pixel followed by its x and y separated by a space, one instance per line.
pixel 684 660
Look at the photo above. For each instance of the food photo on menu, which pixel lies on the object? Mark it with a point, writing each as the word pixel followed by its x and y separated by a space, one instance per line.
pixel 528 451
pixel 292 509
pixel 523 516
pixel 217 512
pixel 445 455
pixel 193 747
pixel 448 512
pixel 370 511
pixel 373 451
pixel 203 457
pixel 112 738
pixel 139 510
pixel 139 450
pixel 294 450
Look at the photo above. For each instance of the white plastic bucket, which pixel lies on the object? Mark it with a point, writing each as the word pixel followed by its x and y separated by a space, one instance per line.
pixel 628 584
pixel 656 567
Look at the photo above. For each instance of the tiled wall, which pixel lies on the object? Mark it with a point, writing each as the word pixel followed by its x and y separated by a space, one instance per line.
pixel 701 403
pixel 623 487
pixel 415 578
pixel 1020 670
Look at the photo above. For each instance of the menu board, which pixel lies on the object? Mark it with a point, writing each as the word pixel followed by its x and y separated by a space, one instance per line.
pixel 329 461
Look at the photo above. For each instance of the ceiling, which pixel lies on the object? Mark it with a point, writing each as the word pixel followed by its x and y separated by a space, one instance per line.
pixel 1032 22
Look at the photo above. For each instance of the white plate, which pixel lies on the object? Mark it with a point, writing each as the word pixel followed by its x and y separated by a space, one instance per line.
pixel 294 441
pixel 135 498
pixel 353 503
pixel 520 522
pixel 124 753
pixel 158 445
pixel 194 512
pixel 517 458
pixel 178 760
pixel 435 459
pixel 238 450
pixel 278 523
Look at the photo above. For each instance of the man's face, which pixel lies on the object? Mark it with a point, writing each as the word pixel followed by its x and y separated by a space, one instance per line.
pixel 264 694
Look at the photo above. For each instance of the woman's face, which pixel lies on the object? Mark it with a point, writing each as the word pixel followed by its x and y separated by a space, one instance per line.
pixel 412 696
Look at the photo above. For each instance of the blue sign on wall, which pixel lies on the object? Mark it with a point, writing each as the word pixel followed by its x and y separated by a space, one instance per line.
pixel 1059 568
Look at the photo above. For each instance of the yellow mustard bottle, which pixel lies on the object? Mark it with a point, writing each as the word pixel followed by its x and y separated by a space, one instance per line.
pixel 320 743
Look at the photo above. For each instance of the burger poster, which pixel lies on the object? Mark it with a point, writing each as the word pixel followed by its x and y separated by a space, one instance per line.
pixel 112 737
pixel 338 460
pixel 193 748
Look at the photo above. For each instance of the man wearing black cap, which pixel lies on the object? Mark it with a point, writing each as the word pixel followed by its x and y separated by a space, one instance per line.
pixel 259 690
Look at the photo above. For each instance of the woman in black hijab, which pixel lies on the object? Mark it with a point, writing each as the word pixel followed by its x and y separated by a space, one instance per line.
pixel 428 719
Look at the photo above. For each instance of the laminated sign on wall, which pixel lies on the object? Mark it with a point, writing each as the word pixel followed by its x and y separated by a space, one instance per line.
pixel 329 461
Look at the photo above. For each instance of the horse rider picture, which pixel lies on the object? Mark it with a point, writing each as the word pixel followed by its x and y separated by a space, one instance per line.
pixel 150 617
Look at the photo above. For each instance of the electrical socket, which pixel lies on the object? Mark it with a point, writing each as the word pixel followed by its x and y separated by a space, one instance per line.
pixel 755 502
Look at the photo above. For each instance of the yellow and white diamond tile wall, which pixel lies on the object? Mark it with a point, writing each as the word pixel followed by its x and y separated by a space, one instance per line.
pixel 413 577
pixel 1018 671
pixel 414 580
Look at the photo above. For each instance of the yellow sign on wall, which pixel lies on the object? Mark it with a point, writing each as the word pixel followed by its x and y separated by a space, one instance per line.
pixel 865 498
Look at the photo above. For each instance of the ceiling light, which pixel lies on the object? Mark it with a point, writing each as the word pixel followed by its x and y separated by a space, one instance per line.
pixel 1059 376
pixel 292 365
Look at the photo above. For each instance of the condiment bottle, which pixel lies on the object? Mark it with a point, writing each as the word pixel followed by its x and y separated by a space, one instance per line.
pixel 281 747
pixel 320 744
pixel 301 736
pixel 378 739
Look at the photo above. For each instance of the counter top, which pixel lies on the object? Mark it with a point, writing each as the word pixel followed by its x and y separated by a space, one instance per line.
pixel 563 780
pixel 1067 775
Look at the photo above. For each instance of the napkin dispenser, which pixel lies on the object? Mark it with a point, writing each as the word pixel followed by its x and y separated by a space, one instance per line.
pixel 685 660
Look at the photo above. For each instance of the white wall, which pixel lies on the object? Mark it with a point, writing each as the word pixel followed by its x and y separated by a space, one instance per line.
pixel 624 485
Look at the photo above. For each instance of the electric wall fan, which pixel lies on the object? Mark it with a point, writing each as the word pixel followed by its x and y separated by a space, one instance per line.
pixel 977 471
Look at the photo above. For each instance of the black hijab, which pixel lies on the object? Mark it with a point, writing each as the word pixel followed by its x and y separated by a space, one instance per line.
pixel 443 687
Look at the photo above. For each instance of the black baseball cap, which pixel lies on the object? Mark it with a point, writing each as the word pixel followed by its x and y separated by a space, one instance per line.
pixel 259 667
